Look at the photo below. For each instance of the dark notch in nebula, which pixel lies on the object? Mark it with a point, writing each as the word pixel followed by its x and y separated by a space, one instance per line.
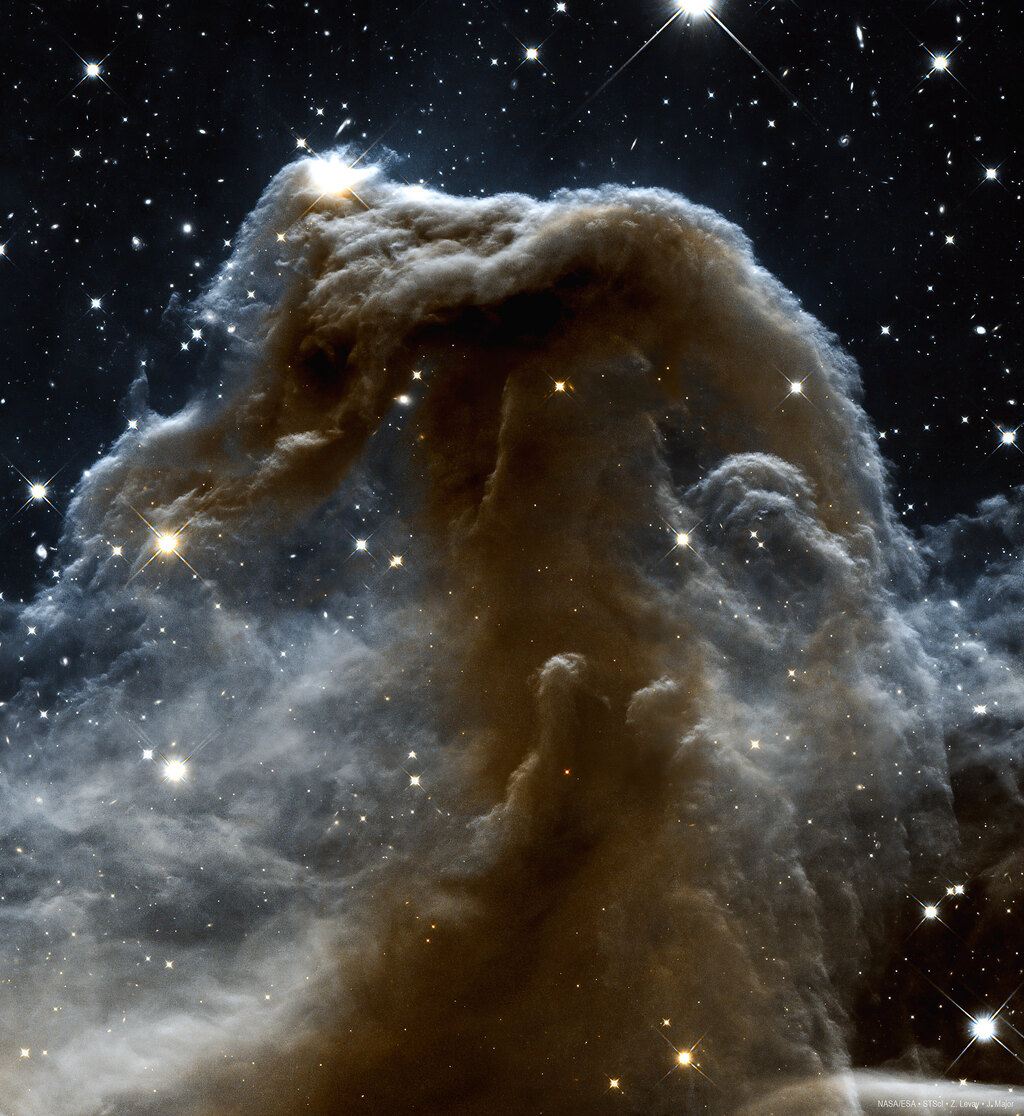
pixel 660 715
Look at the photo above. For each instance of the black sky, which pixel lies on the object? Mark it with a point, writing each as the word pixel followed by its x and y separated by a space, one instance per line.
pixel 849 196
pixel 880 668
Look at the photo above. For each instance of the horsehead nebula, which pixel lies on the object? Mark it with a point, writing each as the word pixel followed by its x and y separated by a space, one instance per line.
pixel 505 687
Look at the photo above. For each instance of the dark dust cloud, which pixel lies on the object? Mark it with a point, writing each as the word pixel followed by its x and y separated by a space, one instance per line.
pixel 572 705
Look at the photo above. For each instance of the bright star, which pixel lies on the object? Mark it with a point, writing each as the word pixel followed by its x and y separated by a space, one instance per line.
pixel 682 539
pixel 414 780
pixel 92 69
pixel 685 1058
pixel 360 544
pixel 796 387
pixel 983 1028
pixel 991 173
pixel 167 543
pixel 396 560
pixel 37 491
pixel 931 912
pixel 174 770
pixel 940 62
pixel 695 9
pixel 95 304
pixel 532 54
pixel 147 753
pixel 333 175
pixel 1009 437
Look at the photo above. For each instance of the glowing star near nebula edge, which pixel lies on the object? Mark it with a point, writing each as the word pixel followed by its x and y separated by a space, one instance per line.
pixel 670 803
